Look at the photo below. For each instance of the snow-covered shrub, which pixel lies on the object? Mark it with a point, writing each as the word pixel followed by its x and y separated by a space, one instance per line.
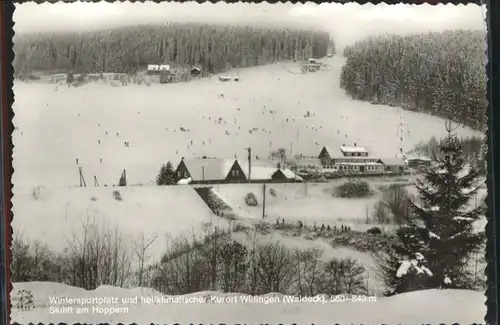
pixel 251 200
pixel 374 231
pixel 25 300
pixel 354 189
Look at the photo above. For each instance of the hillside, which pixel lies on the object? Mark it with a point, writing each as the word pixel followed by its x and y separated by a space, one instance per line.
pixel 57 124
pixel 165 212
pixel 421 307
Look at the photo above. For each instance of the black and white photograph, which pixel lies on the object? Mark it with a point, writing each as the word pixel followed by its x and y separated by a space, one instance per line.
pixel 244 163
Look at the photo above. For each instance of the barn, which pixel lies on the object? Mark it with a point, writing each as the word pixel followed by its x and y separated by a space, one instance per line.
pixel 195 72
pixel 393 165
pixel 210 171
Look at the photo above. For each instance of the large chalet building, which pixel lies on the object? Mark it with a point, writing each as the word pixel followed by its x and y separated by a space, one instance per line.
pixel 219 171
pixel 356 159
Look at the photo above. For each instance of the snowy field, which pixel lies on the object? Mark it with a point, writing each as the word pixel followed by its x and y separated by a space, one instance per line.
pixel 56 127
pixel 165 212
pixel 313 202
pixel 421 307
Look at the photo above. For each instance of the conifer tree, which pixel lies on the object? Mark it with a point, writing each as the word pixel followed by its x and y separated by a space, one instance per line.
pixel 166 176
pixel 123 179
pixel 433 250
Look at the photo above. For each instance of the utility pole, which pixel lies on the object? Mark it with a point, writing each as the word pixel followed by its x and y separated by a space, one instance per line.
pixel 264 201
pixel 249 149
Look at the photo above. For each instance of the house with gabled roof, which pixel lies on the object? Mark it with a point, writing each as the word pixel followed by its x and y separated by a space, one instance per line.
pixel 263 171
pixel 210 171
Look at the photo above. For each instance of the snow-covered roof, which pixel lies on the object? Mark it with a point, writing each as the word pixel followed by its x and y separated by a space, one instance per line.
pixel 361 163
pixel 289 174
pixel 360 158
pixel 185 181
pixel 261 169
pixel 423 158
pixel 352 149
pixel 329 151
pixel 209 169
pixel 393 162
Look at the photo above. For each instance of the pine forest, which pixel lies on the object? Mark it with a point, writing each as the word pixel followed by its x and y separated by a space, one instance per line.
pixel 127 50
pixel 441 74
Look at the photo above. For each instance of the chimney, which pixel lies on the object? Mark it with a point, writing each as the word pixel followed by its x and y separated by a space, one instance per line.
pixel 182 159
pixel 279 166
pixel 343 145
pixel 249 164
pixel 355 144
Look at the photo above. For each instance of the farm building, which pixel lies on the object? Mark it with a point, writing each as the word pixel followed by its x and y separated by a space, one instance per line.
pixel 394 165
pixel 195 72
pixel 157 69
pixel 418 162
pixel 207 170
pixel 262 171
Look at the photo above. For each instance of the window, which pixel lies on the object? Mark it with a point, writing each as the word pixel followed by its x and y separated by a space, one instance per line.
pixel 237 173
pixel 185 174
pixel 178 174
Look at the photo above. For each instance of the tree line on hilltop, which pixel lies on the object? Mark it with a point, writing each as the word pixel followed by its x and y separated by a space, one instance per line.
pixel 442 74
pixel 126 50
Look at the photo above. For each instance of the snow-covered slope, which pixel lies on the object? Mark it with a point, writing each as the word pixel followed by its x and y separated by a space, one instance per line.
pixel 166 211
pixel 56 127
pixel 421 307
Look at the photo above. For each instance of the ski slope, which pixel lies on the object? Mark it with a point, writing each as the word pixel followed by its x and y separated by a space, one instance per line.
pixel 414 308
pixel 165 212
pixel 55 127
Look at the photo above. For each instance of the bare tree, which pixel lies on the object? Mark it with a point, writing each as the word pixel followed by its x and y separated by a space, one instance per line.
pixel 32 261
pixel 309 267
pixel 343 276
pixel 275 272
pixel 97 256
pixel 233 260
pixel 140 247
pixel 395 199
pixel 281 155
